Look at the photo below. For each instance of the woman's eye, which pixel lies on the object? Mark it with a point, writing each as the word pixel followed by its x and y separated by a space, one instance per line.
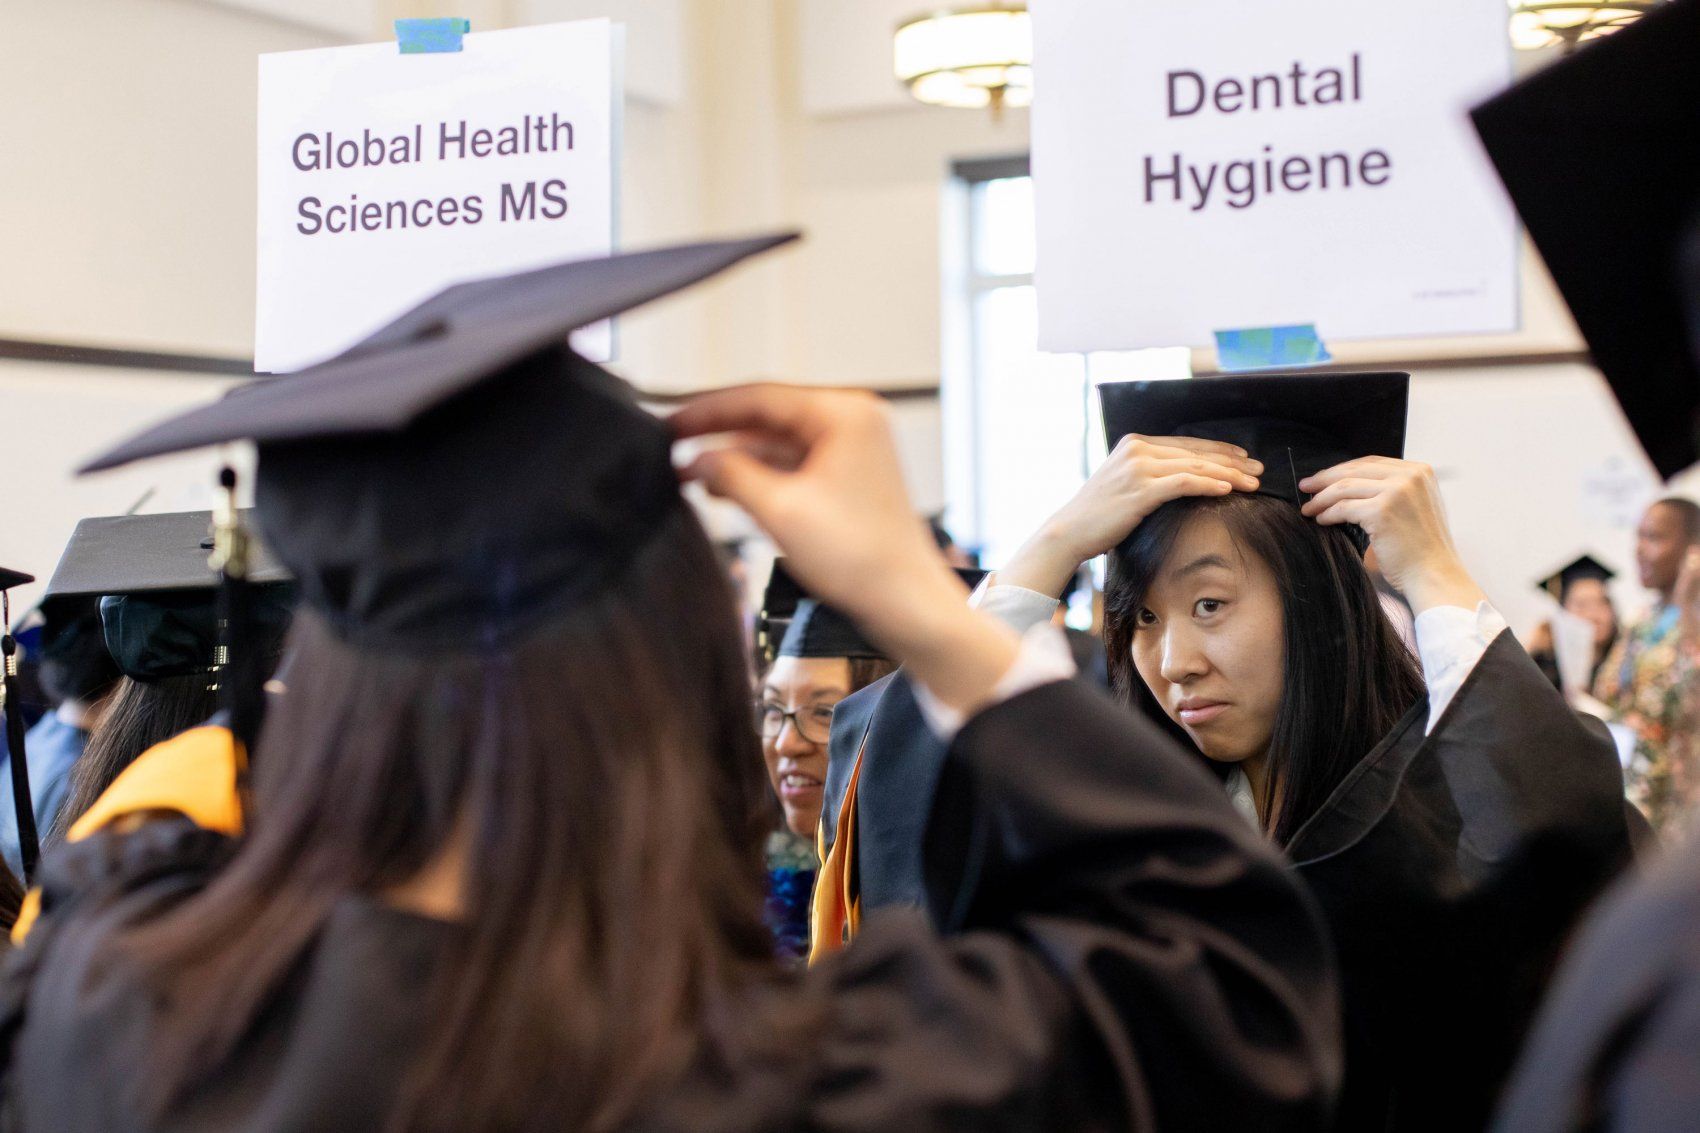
pixel 1207 607
pixel 1145 618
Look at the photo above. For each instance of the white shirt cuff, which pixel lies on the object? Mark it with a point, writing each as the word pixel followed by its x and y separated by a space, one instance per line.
pixel 1042 658
pixel 1450 642
pixel 1015 606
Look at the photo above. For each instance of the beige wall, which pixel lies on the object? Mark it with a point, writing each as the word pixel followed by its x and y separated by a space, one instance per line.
pixel 126 213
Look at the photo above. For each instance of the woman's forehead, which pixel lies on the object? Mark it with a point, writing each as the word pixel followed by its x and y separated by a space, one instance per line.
pixel 808 676
pixel 1204 543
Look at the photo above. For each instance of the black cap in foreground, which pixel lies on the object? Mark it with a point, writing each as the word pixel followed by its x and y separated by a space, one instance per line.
pixel 1599 155
pixel 1587 567
pixel 461 475
pixel 11 578
pixel 1296 424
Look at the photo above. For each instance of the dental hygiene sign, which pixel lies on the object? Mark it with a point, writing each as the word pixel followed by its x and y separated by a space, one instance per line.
pixel 1205 165
pixel 386 177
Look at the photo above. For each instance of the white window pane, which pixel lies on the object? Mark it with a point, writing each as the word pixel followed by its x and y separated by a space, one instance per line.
pixel 1032 422
pixel 1003 215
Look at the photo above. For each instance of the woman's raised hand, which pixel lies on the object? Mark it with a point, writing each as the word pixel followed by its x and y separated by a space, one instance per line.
pixel 1398 504
pixel 1140 475
pixel 818 470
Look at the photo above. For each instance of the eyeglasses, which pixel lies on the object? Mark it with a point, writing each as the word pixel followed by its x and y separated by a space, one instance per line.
pixel 812 721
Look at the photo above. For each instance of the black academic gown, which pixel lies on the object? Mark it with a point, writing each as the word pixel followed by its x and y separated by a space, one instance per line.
pixel 1450 867
pixel 1120 952
pixel 893 793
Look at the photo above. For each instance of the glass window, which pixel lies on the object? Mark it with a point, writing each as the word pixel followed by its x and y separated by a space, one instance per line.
pixel 1024 425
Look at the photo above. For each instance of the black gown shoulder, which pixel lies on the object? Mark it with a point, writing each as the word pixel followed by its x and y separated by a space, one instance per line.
pixel 1452 868
pixel 1120 952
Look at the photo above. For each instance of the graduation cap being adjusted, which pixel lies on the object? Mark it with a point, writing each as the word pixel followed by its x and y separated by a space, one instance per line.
pixel 461 475
pixel 157 594
pixel 1585 568
pixel 1296 424
pixel 1598 153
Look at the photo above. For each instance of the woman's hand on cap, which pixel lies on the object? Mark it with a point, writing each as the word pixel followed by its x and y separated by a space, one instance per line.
pixel 1398 504
pixel 1140 475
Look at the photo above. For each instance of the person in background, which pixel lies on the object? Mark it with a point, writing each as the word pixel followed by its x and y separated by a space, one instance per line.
pixel 822 659
pixel 1648 679
pixel 1617 1048
pixel 158 621
pixel 79 676
pixel 1580 589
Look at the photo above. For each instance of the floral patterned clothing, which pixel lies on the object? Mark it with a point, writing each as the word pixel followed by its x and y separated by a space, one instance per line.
pixel 791 869
pixel 1651 682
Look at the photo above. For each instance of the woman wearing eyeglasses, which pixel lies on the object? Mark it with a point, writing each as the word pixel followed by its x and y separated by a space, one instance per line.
pixel 822 659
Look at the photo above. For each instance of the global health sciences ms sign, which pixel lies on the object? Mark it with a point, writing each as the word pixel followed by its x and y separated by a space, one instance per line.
pixel 1206 165
pixel 386 177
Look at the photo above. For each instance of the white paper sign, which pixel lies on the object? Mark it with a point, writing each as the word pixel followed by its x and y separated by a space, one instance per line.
pixel 386 177
pixel 1205 165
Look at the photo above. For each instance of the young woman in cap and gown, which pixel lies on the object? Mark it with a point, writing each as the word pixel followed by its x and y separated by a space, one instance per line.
pixel 501 864
pixel 1581 590
pixel 1453 818
pixel 822 658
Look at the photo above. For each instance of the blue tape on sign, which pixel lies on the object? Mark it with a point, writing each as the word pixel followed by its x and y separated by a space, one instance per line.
pixel 430 37
pixel 1266 348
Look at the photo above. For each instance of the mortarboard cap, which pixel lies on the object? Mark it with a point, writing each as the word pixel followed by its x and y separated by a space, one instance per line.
pixel 11 578
pixel 1598 153
pixel 461 475
pixel 806 627
pixel 818 630
pixel 157 594
pixel 1586 567
pixel 1296 424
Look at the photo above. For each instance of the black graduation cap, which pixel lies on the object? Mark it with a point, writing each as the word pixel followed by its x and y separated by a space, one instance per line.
pixel 157 593
pixel 803 626
pixel 461 475
pixel 1586 567
pixel 11 578
pixel 1296 424
pixel 1598 153
pixel 807 627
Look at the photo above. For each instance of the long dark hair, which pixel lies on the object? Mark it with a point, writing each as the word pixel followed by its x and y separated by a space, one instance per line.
pixel 1348 677
pixel 139 715
pixel 604 779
